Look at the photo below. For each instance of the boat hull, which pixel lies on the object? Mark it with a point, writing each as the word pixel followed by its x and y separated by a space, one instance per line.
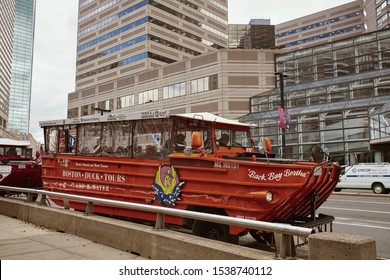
pixel 21 174
pixel 238 188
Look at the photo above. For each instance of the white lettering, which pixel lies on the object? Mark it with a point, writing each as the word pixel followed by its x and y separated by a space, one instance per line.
pixel 294 173
pixel 226 165
pixel 273 176
pixel 252 174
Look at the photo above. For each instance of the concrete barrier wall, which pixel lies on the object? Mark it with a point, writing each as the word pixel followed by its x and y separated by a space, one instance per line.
pixel 341 246
pixel 166 244
pixel 138 239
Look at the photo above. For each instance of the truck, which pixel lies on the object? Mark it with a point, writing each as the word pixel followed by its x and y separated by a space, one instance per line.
pixel 365 176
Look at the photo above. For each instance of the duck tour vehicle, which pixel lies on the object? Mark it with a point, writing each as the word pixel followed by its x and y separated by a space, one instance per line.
pixel 198 162
pixel 17 166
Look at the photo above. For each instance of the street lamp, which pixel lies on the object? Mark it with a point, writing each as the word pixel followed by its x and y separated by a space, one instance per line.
pixel 282 111
pixel 101 110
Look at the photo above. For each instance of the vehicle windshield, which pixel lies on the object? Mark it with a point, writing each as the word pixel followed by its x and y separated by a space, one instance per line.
pixel 232 138
pixel 12 151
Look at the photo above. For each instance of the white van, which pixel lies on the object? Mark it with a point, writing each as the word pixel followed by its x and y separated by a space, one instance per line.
pixel 365 176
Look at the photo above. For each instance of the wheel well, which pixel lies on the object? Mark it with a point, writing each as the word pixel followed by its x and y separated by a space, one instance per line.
pixel 374 183
pixel 203 209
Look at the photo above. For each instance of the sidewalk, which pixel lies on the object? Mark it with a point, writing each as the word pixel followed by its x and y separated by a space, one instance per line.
pixel 23 241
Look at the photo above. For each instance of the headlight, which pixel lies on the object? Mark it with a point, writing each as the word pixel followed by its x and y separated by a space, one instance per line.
pixel 268 196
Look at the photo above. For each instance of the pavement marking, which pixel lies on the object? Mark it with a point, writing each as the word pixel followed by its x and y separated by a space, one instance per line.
pixel 361 225
pixel 356 210
pixel 358 201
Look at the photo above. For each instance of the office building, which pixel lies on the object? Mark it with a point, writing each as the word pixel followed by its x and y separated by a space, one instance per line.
pixel 119 38
pixel 377 14
pixel 17 18
pixel 336 95
pixel 7 15
pixel 258 34
pixel 220 82
pixel 325 26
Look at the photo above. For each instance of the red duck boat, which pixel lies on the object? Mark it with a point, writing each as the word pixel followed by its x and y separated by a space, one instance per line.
pixel 200 162
pixel 17 167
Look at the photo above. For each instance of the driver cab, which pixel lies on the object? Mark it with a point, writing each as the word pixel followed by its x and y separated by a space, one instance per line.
pixel 212 138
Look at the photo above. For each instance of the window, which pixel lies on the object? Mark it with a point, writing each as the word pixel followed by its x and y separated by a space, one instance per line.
pixel 204 84
pixel 151 139
pixel 148 96
pixel 175 90
pixel 125 101
pixel 87 110
pixel 106 105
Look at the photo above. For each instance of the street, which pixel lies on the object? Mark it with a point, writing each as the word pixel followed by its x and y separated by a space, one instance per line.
pixel 365 214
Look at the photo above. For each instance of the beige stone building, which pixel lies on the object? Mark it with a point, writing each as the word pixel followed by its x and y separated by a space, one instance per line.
pixel 118 38
pixel 220 82
pixel 325 26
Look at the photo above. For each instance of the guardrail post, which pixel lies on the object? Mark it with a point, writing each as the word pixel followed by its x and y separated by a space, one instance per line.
pixel 89 209
pixel 160 222
pixel 284 246
pixel 66 204
pixel 42 201
pixel 30 197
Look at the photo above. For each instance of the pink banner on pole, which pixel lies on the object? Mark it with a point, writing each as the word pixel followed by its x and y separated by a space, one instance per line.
pixel 282 121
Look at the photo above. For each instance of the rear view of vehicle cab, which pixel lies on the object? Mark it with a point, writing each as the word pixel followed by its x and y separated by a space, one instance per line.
pixel 366 176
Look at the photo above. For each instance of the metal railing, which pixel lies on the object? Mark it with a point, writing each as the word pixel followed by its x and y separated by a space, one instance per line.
pixel 284 232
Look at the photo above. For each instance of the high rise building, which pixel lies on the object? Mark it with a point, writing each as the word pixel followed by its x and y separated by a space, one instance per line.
pixel 118 38
pixel 7 14
pixel 258 34
pixel 21 69
pixel 325 26
pixel 163 55
pixel 377 14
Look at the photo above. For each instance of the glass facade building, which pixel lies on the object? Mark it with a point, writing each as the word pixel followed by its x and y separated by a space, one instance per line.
pixel 6 39
pixel 337 95
pixel 21 70
pixel 258 34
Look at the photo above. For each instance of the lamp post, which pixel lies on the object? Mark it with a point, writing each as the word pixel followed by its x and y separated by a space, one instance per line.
pixel 281 82
pixel 101 110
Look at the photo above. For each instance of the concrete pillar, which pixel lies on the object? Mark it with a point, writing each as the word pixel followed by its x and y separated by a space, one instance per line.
pixel 341 246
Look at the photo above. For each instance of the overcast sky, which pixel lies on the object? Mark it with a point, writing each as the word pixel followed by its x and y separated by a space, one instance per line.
pixel 56 36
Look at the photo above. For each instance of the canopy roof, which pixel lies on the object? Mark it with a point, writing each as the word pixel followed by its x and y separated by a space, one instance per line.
pixel 11 142
pixel 208 117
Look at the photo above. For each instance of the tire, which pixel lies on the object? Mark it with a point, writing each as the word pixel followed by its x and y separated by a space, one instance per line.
pixel 213 231
pixel 378 188
pixel 337 190
pixel 263 237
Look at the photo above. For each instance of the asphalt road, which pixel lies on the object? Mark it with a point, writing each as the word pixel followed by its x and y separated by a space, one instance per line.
pixel 362 214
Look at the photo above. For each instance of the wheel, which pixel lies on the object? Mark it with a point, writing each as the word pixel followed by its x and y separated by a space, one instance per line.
pixel 263 237
pixel 337 190
pixel 213 231
pixel 378 188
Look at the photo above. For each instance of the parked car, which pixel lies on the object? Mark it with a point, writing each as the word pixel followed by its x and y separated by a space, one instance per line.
pixel 365 176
